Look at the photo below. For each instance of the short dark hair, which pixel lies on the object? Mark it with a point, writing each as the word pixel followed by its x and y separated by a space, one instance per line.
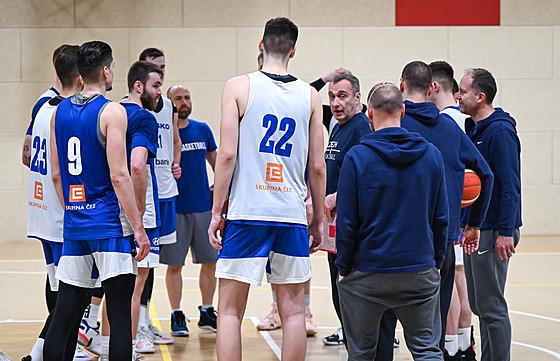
pixel 443 73
pixel 354 82
pixel 91 58
pixel 65 65
pixel 280 36
pixel 150 53
pixel 140 71
pixel 385 97
pixel 455 86
pixel 483 82
pixel 57 51
pixel 418 76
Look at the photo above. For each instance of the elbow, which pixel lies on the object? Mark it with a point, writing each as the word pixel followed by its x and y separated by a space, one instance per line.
pixel 318 169
pixel 118 179
pixel 137 168
pixel 227 157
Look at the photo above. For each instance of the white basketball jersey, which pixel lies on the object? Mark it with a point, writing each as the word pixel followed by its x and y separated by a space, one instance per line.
pixel 456 115
pixel 167 187
pixel 45 213
pixel 269 182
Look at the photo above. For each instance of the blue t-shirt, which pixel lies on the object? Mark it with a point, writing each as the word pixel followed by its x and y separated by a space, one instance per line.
pixel 343 137
pixel 194 191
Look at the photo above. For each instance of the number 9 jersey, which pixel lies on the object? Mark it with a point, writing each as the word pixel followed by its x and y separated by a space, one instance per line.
pixel 92 209
pixel 269 180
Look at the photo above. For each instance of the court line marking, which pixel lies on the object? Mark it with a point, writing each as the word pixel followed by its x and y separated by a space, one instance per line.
pixel 535 316
pixel 271 343
pixel 163 347
pixel 542 349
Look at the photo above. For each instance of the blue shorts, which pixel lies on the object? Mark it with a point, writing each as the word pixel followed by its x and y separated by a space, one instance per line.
pixel 251 247
pixel 167 230
pixel 88 263
pixel 152 259
pixel 52 251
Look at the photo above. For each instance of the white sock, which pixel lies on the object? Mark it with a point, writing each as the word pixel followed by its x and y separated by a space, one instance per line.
pixel 464 338
pixel 90 314
pixel 273 296
pixel 148 320
pixel 307 299
pixel 142 316
pixel 451 344
pixel 205 307
pixel 37 350
pixel 105 345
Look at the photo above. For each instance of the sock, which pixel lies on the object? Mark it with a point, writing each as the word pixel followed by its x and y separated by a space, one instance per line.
pixel 105 345
pixel 464 338
pixel 451 344
pixel 205 307
pixel 90 314
pixel 307 299
pixel 142 316
pixel 37 350
pixel 273 296
pixel 148 320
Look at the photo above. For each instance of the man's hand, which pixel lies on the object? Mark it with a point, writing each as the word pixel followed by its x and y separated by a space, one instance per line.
pixel 470 239
pixel 340 277
pixel 143 243
pixel 330 204
pixel 505 247
pixel 316 231
pixel 330 76
pixel 217 224
pixel 176 170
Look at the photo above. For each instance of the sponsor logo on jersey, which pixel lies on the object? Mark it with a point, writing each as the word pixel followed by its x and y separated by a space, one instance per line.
pixel 274 173
pixel 163 126
pixel 193 146
pixel 38 191
pixel 77 193
pixel 162 162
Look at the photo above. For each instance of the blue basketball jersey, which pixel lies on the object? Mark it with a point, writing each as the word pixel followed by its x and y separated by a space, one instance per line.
pixel 92 209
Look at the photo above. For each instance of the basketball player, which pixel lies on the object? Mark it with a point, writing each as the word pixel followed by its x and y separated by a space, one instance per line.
pixel 45 214
pixel 495 136
pixel 93 184
pixel 271 133
pixel 144 91
pixel 167 170
pixel 458 153
pixel 193 207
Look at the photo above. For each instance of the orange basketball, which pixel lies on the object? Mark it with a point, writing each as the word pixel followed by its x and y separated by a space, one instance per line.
pixel 471 188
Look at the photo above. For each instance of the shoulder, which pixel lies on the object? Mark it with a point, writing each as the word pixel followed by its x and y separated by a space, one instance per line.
pixel 239 82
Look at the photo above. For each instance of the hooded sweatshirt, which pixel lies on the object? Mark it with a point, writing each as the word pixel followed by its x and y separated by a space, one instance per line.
pixel 496 139
pixel 458 153
pixel 392 211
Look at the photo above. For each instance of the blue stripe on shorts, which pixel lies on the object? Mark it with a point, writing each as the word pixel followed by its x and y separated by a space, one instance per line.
pixel 52 251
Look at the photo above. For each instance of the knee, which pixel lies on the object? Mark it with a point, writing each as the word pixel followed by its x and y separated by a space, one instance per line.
pixel 174 270
pixel 208 268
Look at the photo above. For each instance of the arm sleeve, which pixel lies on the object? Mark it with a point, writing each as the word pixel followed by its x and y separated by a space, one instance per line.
pixel 347 220
pixel 318 84
pixel 471 157
pixel 505 158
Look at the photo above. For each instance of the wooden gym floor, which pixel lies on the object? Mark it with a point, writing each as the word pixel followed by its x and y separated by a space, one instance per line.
pixel 533 291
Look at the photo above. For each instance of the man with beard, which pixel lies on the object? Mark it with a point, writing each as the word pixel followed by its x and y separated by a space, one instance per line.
pixel 144 86
pixel 193 207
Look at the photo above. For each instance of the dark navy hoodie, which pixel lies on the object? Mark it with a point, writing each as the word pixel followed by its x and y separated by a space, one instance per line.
pixel 458 153
pixel 496 139
pixel 392 211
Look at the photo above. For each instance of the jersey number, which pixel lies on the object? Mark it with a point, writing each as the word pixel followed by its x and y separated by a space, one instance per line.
pixel 74 156
pixel 39 164
pixel 282 148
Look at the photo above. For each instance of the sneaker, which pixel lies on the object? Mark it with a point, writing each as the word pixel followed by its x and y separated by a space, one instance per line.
pixel 271 321
pixel 207 319
pixel 310 326
pixel 178 324
pixel 89 337
pixel 159 337
pixel 335 339
pixel 81 355
pixel 144 342
pixel 4 357
pixel 135 357
pixel 468 354
pixel 396 342
pixel 26 358
pixel 456 357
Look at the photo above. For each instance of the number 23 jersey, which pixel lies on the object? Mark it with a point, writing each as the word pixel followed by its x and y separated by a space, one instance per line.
pixel 269 182
pixel 92 209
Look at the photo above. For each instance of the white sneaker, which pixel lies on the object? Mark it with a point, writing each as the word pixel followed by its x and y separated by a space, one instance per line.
pixel 4 357
pixel 81 355
pixel 159 337
pixel 90 338
pixel 144 341
pixel 136 357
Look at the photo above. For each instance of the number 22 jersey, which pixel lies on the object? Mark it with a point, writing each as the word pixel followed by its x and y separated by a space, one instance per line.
pixel 92 209
pixel 269 182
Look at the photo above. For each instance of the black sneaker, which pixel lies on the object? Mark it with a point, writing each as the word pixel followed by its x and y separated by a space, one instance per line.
pixel 468 355
pixel 26 358
pixel 208 319
pixel 178 324
pixel 456 357
pixel 335 339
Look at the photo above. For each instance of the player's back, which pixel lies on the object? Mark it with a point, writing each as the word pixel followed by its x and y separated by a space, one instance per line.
pixel 92 210
pixel 269 178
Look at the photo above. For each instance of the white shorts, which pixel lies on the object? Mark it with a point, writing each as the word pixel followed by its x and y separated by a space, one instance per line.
pixel 88 263
pixel 458 255
pixel 152 259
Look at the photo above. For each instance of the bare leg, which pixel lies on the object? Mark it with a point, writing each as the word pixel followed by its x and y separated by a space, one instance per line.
pixel 174 283
pixel 207 282
pixel 291 308
pixel 231 305
pixel 453 314
pixel 465 318
pixel 138 289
